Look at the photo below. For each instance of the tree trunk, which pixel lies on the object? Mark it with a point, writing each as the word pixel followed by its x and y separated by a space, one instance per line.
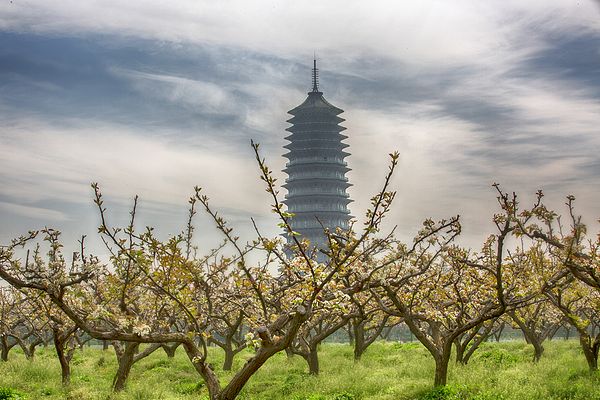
pixel 27 353
pixel 460 352
pixel 358 352
pixel 351 333
pixel 125 360
pixel 538 349
pixel 32 347
pixel 105 345
pixel 65 368
pixel 498 333
pixel 441 367
pixel 531 337
pixel 466 356
pixel 5 348
pixel 359 340
pixel 590 351
pixel 467 351
pixel 313 361
pixel 232 390
pixel 228 363
pixel 289 353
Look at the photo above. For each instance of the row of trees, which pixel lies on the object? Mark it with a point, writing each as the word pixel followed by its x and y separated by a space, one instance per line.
pixel 533 270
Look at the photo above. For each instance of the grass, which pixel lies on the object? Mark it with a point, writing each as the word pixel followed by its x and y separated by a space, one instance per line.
pixel 388 371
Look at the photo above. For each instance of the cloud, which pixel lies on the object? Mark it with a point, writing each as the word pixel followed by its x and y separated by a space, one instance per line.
pixel 208 97
pixel 155 98
pixel 424 33
pixel 50 164
pixel 33 212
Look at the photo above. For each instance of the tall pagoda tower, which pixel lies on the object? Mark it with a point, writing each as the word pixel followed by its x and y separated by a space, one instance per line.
pixel 316 170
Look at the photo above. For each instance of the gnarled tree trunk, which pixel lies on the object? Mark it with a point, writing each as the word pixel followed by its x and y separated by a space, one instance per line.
pixel 60 341
pixel 358 329
pixel 228 362
pixel 441 366
pixel 313 361
pixel 460 352
pixel 125 355
pixel 5 348
pixel 32 347
pixel 590 349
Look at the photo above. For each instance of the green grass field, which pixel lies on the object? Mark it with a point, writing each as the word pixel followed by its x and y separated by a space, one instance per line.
pixel 388 371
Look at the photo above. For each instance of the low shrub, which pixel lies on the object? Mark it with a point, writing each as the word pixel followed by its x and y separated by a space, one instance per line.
pixel 449 392
pixel 343 396
pixel 406 346
pixel 9 394
pixel 496 357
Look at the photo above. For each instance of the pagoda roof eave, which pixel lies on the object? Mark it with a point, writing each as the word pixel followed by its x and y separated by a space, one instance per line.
pixel 340 137
pixel 315 100
pixel 304 214
pixel 337 181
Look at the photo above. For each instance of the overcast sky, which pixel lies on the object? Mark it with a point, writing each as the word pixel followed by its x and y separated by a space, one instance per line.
pixel 154 97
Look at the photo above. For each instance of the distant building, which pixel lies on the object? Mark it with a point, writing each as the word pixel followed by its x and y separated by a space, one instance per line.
pixel 316 170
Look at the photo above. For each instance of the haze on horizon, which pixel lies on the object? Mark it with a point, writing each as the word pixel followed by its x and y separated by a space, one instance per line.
pixel 152 99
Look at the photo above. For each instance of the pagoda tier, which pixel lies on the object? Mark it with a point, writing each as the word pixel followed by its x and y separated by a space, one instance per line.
pixel 316 184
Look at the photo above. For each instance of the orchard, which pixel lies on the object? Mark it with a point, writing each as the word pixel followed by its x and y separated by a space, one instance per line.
pixel 229 315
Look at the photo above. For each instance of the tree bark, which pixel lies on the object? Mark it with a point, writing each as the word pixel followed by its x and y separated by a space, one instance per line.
pixel 441 368
pixel 32 347
pixel 5 348
pixel 531 337
pixel 590 350
pixel 313 361
pixel 228 363
pixel 351 333
pixel 460 352
pixel 289 353
pixel 498 333
pixel 125 359
pixel 538 350
pixel 235 385
pixel 359 340
pixel 65 368
pixel 358 352
pixel 474 341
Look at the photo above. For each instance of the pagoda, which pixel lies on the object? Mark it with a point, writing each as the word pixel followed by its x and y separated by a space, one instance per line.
pixel 317 183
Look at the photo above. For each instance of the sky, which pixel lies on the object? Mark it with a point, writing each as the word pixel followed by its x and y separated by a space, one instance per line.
pixel 153 98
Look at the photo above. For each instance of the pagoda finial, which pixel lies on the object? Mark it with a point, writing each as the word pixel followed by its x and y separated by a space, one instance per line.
pixel 315 75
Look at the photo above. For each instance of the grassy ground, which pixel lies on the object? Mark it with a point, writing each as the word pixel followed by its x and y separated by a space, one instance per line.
pixel 388 371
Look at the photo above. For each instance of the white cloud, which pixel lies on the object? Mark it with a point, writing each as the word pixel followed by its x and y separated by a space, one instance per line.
pixel 194 94
pixel 48 163
pixel 424 34
pixel 490 39
pixel 39 213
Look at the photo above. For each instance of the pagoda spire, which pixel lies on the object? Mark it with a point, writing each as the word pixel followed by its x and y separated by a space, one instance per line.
pixel 315 76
